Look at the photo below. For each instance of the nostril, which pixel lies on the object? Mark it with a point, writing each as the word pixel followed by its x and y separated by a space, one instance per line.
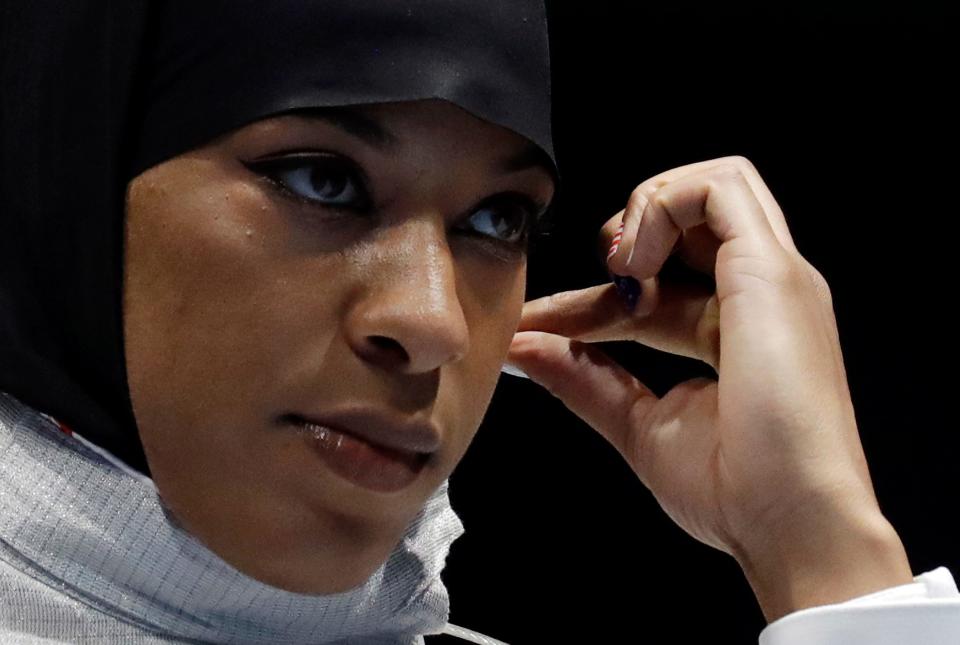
pixel 389 346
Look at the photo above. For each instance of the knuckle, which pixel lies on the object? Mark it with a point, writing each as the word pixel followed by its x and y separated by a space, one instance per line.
pixel 724 173
pixel 560 308
pixel 812 271
pixel 784 270
pixel 800 274
pixel 794 274
pixel 739 162
pixel 721 182
pixel 820 284
pixel 541 354
pixel 638 198
pixel 772 269
pixel 744 163
pixel 557 301
pixel 661 202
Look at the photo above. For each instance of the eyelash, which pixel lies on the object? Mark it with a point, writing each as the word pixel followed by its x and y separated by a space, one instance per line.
pixel 281 170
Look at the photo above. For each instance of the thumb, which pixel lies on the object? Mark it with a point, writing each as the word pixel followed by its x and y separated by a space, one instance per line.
pixel 589 383
pixel 592 314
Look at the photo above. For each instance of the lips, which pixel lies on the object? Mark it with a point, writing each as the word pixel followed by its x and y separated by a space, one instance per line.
pixel 391 434
pixel 348 452
pixel 331 440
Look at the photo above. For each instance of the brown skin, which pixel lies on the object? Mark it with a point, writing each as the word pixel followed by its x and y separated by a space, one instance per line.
pixel 241 304
pixel 764 461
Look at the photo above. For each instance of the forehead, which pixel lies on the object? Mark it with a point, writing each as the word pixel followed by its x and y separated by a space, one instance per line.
pixel 432 123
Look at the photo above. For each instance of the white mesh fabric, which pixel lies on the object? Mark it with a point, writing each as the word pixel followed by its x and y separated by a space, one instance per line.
pixel 88 554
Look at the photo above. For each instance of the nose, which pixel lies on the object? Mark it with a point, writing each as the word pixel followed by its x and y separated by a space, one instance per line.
pixel 409 317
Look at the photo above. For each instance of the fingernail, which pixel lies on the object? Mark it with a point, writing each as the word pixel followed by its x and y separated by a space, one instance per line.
pixel 629 289
pixel 616 242
pixel 513 370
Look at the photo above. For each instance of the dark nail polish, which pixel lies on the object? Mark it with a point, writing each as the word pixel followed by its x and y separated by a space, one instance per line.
pixel 629 290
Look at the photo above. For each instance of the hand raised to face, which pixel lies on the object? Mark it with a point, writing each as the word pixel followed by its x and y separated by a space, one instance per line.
pixel 764 462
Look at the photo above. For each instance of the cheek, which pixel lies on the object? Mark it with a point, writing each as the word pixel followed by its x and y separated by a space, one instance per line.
pixel 211 301
pixel 495 302
pixel 494 309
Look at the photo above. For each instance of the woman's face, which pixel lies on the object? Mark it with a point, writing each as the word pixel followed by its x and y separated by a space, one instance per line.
pixel 332 266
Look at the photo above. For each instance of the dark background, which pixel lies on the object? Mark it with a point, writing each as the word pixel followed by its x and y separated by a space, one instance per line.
pixel 849 117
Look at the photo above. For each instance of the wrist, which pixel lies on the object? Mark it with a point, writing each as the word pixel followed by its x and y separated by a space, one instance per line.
pixel 829 560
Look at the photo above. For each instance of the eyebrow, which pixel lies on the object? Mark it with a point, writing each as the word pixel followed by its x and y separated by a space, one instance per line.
pixel 532 156
pixel 368 129
pixel 355 122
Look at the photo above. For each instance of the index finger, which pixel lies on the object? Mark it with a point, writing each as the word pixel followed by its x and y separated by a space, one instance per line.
pixel 683 318
pixel 639 196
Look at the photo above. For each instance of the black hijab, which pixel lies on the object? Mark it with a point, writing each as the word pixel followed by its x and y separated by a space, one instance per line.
pixel 94 92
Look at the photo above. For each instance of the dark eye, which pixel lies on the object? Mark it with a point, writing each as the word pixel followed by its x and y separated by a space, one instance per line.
pixel 506 217
pixel 325 179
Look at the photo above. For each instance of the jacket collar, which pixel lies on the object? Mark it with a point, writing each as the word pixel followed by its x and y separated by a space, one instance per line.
pixel 102 536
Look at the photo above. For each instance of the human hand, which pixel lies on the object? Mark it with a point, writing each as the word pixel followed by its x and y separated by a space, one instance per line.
pixel 764 462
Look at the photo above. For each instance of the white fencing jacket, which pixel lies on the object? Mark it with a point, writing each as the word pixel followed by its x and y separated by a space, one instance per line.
pixel 88 554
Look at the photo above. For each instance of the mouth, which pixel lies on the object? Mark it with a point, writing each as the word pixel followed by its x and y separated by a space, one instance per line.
pixel 355 458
